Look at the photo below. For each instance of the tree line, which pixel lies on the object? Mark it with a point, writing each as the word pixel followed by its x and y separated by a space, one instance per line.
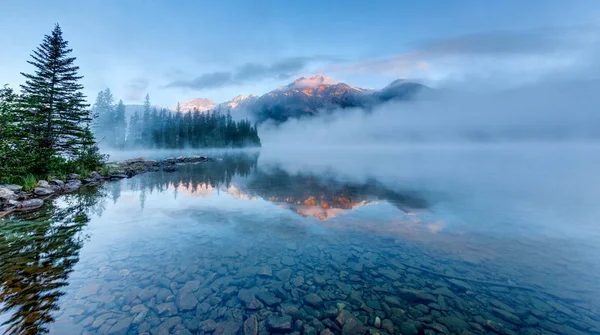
pixel 151 127
pixel 45 128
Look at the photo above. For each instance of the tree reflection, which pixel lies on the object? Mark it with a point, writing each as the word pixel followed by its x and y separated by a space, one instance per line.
pixel 37 253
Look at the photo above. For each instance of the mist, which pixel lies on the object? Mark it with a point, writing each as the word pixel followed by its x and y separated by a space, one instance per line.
pixel 565 111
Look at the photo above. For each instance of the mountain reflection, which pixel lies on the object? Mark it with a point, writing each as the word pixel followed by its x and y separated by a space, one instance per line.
pixel 308 195
pixel 37 253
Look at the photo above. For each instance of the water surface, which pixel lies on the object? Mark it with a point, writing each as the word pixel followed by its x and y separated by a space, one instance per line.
pixel 485 239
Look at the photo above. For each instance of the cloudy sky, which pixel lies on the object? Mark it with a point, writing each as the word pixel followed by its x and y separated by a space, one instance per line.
pixel 179 50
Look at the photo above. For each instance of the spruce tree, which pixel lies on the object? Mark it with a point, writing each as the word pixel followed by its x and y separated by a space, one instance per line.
pixel 55 104
pixel 120 125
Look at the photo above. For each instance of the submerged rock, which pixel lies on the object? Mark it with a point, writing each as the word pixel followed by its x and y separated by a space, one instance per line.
pixel 251 326
pixel 279 324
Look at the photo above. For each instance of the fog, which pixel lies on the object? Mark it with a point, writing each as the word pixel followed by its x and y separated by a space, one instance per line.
pixel 549 112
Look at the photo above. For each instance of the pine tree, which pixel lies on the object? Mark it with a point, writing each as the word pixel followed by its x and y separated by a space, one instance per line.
pixel 58 115
pixel 120 127
pixel 105 118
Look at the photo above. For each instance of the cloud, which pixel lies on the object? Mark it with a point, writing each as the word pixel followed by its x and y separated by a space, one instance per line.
pixel 206 80
pixel 488 57
pixel 136 89
pixel 251 72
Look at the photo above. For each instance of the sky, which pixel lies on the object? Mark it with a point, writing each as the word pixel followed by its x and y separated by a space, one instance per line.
pixel 185 49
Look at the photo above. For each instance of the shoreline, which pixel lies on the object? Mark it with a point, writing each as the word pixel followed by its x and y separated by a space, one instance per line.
pixel 14 199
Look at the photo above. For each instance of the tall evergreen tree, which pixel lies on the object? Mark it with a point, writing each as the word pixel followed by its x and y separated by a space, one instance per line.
pixel 55 105
pixel 105 118
pixel 120 125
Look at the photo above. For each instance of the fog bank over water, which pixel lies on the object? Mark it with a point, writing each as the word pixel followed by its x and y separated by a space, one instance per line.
pixel 549 112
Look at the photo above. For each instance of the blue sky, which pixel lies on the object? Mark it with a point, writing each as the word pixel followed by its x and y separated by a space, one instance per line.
pixel 179 50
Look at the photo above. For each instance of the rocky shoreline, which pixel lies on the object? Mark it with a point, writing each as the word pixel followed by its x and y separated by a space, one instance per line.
pixel 13 198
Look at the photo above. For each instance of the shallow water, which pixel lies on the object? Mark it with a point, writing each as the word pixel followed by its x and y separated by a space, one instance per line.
pixel 420 241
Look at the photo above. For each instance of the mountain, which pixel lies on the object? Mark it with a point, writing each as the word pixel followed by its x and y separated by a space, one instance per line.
pixel 200 104
pixel 306 97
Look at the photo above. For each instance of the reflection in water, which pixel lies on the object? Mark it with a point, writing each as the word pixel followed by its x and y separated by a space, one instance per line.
pixel 38 252
pixel 213 245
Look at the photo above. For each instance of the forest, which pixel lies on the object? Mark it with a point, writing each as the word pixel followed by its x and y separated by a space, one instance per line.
pixel 155 128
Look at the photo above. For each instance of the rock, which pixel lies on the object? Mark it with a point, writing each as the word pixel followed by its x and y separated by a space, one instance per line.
pixel 208 325
pixel 439 328
pixel 88 180
pixel 453 323
pixel 30 204
pixel 12 187
pixel 249 300
pixel 377 322
pixel 408 328
pixel 388 326
pixel 73 176
pixel 506 315
pixel 284 274
pixel 43 191
pixel 43 183
pixel 268 298
pixel 121 327
pixel 414 296
pixel 313 300
pixel 166 309
pixel 251 326
pixel 118 176
pixel 343 317
pixel 166 327
pixel 353 327
pixel 186 301
pixel 461 285
pixel 7 194
pixel 308 330
pixel 325 332
pixel 227 328
pixel 94 175
pixel 265 271
pixel 279 324
pixel 57 182
pixel 72 185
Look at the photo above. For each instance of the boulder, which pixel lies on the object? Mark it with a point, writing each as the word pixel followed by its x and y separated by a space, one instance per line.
pixel 43 191
pixel 94 175
pixel 30 204
pixel 12 187
pixel 73 176
pixel 279 324
pixel 43 183
pixel 72 185
pixel 251 325
pixel 59 183
pixel 7 194
pixel 118 176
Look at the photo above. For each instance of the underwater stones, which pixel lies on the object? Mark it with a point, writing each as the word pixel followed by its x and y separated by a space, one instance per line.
pixel 319 280
pixel 284 274
pixel 121 327
pixel 392 301
pixel 388 326
pixel 287 260
pixel 377 322
pixel 249 300
pixel 506 315
pixel 438 328
pixel 455 324
pixel 389 273
pixel 325 332
pixel 460 285
pixel 227 328
pixel 279 324
pixel 166 326
pixel 265 271
pixel 267 298
pixel 208 325
pixel 186 301
pixel 343 316
pixel 166 309
pixel 251 325
pixel 408 328
pixel 89 290
pixel 313 300
pixel 414 296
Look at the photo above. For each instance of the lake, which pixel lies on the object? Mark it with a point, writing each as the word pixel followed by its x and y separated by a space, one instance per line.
pixel 471 239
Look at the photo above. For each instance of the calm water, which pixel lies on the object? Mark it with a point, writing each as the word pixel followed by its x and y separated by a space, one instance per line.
pixel 463 240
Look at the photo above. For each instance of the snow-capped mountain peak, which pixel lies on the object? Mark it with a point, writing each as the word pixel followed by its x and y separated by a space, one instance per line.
pixel 200 104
